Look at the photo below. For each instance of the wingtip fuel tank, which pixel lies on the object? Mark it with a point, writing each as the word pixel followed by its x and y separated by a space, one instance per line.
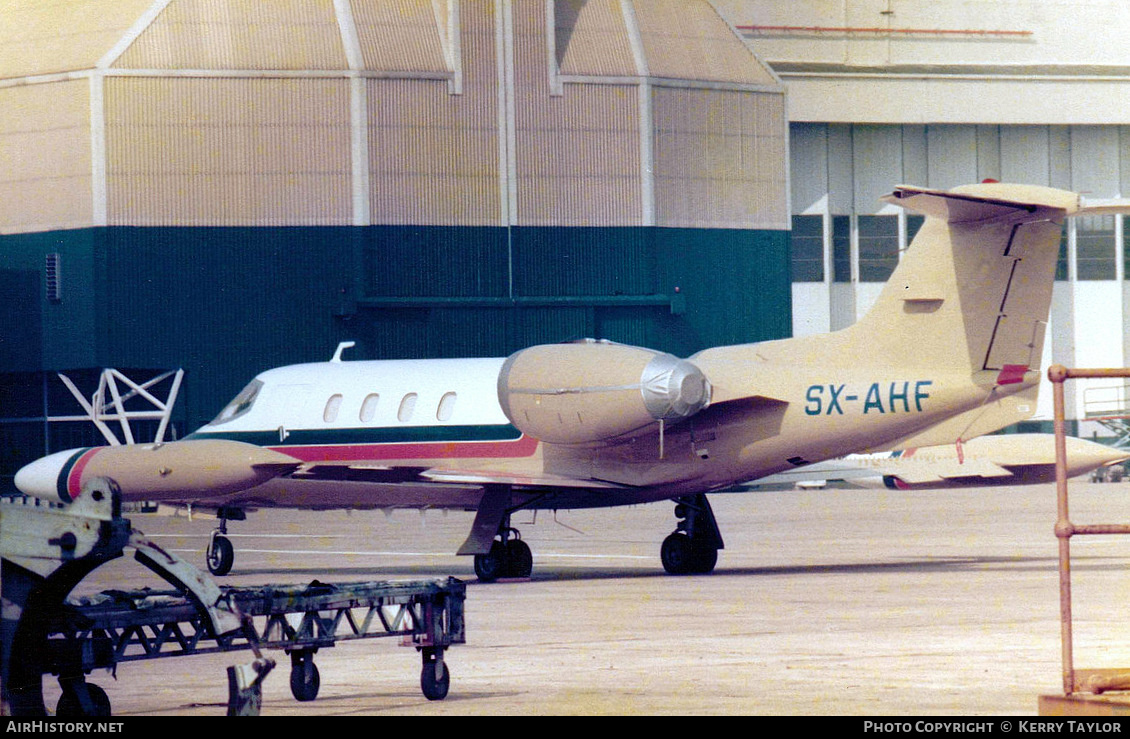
pixel 174 470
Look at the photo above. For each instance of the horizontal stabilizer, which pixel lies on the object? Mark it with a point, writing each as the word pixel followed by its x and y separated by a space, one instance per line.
pixel 956 206
pixel 951 469
pixel 1103 207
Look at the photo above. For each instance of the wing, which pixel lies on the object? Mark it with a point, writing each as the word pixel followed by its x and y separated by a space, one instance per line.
pixel 325 486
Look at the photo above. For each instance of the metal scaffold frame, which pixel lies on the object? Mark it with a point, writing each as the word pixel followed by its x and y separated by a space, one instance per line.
pixel 1110 407
pixel 45 552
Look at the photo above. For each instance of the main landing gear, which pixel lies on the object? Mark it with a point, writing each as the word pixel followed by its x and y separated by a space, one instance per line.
pixel 692 549
pixel 509 556
pixel 499 550
pixel 220 555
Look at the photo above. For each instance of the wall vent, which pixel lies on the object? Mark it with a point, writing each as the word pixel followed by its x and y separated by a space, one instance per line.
pixel 53 278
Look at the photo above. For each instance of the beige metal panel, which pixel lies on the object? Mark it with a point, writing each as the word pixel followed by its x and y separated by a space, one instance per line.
pixel 578 153
pixel 45 157
pixel 227 151
pixel 401 35
pixel 48 36
pixel 581 165
pixel 717 164
pixel 433 156
pixel 592 39
pixel 240 34
pixel 691 41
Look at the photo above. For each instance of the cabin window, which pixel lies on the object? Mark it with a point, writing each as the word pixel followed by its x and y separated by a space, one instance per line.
pixel 369 407
pixel 446 406
pixel 407 407
pixel 333 405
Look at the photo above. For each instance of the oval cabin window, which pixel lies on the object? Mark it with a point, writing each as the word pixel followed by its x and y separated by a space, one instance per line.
pixel 333 405
pixel 369 407
pixel 446 407
pixel 407 407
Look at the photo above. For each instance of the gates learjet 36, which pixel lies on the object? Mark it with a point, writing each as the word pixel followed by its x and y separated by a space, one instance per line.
pixel 950 351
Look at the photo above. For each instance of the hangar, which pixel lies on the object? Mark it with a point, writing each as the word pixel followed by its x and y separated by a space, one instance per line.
pixel 225 185
pixel 230 185
pixel 939 94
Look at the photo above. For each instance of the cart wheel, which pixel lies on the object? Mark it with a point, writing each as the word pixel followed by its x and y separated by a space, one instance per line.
pixel 432 684
pixel 220 556
pixel 304 678
pixel 70 706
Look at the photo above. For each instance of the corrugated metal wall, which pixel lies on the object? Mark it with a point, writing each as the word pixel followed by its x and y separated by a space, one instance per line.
pixel 717 160
pixel 445 172
pixel 691 41
pixel 227 151
pixel 254 184
pixel 578 153
pixel 41 192
pixel 44 38
pixel 592 39
pixel 403 35
pixel 855 164
pixel 240 34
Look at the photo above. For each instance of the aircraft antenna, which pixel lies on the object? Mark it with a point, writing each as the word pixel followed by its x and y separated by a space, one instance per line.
pixel 341 348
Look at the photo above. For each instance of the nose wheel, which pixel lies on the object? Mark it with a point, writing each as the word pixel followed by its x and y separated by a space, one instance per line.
pixel 220 554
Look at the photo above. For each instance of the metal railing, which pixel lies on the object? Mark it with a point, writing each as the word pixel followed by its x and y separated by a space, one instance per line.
pixel 1077 681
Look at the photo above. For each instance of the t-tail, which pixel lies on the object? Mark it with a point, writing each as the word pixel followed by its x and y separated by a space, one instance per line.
pixel 970 297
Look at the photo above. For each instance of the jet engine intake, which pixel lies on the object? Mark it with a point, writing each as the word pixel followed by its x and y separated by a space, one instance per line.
pixel 589 391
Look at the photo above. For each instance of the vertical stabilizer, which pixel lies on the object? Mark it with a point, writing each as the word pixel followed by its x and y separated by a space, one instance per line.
pixel 973 291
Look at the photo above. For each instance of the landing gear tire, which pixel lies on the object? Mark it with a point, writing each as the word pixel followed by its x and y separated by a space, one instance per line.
pixel 492 565
pixel 677 554
pixel 220 555
pixel 304 677
pixel 70 706
pixel 510 559
pixel 435 678
pixel 681 556
pixel 705 559
pixel 519 558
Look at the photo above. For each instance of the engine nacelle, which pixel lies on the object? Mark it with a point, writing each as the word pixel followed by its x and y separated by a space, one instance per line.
pixel 588 391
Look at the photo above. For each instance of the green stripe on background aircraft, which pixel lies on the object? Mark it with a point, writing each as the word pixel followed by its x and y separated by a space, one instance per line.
pixel 949 352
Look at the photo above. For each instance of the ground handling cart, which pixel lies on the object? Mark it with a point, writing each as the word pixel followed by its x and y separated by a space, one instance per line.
pixel 45 552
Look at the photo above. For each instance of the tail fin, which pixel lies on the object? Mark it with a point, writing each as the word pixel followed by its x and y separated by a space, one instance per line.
pixel 974 290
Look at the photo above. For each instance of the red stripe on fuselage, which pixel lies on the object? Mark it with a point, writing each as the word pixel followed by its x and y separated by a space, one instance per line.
pixel 74 479
pixel 522 447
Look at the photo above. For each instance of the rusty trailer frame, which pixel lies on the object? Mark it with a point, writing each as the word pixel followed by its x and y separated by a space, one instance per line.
pixel 46 551
pixel 115 627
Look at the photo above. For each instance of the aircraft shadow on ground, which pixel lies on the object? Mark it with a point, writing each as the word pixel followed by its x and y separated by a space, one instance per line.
pixel 549 574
